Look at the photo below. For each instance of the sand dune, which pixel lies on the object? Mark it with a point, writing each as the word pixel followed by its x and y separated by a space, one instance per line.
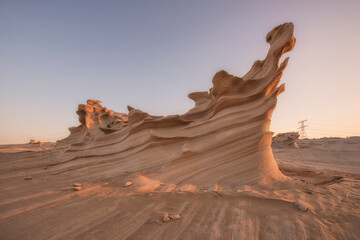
pixel 125 176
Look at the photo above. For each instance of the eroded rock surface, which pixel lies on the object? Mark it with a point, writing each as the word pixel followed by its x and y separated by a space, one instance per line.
pixel 223 140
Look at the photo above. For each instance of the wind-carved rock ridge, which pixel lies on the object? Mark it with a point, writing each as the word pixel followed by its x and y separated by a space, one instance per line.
pixel 223 142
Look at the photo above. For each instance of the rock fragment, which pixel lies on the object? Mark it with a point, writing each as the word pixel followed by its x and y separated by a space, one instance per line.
pixel 174 216
pixel 166 217
pixel 301 206
pixel 28 178
pixel 128 184
pixel 77 186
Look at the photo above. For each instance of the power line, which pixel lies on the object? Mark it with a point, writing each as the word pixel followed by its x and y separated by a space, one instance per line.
pixel 302 129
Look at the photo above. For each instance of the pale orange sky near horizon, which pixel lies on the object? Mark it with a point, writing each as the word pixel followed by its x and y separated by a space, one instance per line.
pixel 55 56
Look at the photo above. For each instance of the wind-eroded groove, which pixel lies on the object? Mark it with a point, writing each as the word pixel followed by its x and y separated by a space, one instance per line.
pixel 47 202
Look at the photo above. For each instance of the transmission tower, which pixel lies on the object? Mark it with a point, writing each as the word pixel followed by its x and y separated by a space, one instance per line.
pixel 302 129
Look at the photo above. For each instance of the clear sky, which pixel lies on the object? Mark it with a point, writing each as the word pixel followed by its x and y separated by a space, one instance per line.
pixel 55 55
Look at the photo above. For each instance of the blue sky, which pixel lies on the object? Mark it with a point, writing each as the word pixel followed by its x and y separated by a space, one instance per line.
pixel 55 55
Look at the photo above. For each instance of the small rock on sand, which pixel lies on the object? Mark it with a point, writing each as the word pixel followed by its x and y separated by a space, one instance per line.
pixel 77 188
pixel 166 217
pixel 128 184
pixel 301 206
pixel 77 184
pixel 174 216
pixel 28 178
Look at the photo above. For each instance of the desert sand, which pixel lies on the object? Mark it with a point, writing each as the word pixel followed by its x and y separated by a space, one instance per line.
pixel 210 173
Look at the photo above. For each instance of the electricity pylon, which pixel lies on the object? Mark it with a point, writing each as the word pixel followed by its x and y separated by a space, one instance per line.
pixel 302 129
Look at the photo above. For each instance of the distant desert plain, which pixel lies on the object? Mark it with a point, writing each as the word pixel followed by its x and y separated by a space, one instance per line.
pixel 215 172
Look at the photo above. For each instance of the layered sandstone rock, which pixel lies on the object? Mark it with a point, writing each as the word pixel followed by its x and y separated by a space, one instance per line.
pixel 223 142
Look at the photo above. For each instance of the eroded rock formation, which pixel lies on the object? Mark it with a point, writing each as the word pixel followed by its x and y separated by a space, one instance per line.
pixel 93 115
pixel 288 139
pixel 223 142
pixel 95 120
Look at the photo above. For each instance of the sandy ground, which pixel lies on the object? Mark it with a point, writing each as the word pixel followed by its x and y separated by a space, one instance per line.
pixel 37 199
pixel 14 148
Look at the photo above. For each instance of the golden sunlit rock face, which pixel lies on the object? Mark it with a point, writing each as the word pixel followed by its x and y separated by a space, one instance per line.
pixel 223 142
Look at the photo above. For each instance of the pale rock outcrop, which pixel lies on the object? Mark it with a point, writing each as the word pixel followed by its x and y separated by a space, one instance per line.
pixel 288 139
pixel 224 140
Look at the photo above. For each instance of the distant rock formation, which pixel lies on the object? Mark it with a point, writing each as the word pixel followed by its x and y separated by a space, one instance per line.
pixel 288 139
pixel 33 141
pixel 223 142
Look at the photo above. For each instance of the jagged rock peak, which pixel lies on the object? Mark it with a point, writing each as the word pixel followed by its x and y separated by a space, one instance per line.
pixel 93 114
